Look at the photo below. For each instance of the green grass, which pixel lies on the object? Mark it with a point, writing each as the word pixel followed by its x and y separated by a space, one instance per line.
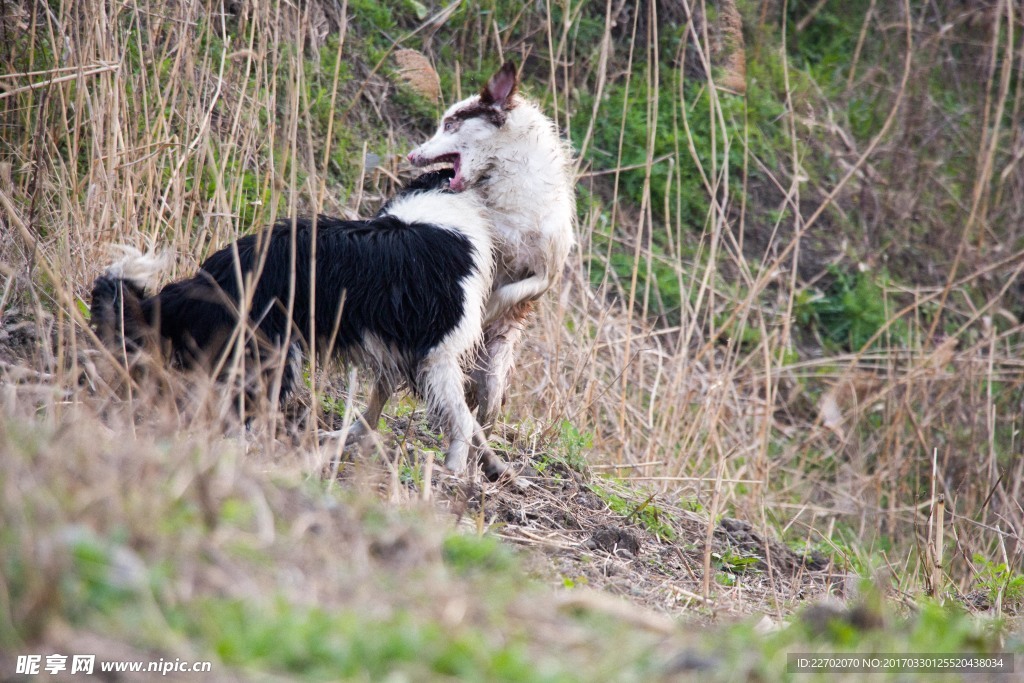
pixel 277 634
pixel 473 554
pixel 574 446
pixel 316 645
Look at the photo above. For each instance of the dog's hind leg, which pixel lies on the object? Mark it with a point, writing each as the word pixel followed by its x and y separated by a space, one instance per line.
pixel 492 377
pixel 491 463
pixel 291 371
pixel 366 423
pixel 382 390
pixel 502 338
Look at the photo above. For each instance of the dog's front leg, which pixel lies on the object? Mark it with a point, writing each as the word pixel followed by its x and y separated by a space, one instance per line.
pixel 443 386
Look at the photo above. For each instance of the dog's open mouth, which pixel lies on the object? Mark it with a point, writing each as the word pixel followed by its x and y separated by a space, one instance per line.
pixel 453 161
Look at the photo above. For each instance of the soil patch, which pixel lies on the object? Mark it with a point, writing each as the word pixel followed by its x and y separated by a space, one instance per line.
pixel 578 528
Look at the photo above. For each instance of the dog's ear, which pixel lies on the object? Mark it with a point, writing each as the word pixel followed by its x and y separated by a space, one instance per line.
pixel 499 90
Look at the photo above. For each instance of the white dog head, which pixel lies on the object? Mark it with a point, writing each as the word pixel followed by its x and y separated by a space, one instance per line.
pixel 465 137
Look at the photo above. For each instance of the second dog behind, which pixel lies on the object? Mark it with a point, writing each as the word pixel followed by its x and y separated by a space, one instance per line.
pixel 505 151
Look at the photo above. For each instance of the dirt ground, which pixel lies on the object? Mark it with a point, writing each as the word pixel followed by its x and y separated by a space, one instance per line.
pixel 561 521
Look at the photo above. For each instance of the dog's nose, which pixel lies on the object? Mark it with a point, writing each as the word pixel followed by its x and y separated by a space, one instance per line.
pixel 411 157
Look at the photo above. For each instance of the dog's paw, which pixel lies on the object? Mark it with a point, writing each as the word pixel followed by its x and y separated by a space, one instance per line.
pixel 511 477
pixel 354 436
pixel 493 467
pixel 455 461
pixel 498 471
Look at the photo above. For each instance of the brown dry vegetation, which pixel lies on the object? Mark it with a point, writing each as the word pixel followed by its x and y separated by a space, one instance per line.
pixel 689 354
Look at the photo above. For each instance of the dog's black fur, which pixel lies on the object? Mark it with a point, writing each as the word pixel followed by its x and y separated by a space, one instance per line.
pixel 400 282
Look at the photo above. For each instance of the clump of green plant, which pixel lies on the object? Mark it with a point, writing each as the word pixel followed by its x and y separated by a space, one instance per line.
pixel 568 451
pixel 574 445
pixel 730 565
pixel 98 581
pixel 851 311
pixel 574 581
pixel 646 513
pixel 1000 579
pixel 734 563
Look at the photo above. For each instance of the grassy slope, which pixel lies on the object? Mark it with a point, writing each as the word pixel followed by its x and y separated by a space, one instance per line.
pixel 186 547
pixel 678 321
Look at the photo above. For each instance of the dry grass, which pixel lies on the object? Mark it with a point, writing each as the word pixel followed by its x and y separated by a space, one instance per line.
pixel 182 126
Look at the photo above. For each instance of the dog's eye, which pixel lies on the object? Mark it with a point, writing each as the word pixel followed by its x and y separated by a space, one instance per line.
pixel 449 126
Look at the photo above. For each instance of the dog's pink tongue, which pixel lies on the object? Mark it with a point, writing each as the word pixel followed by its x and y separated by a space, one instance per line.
pixel 457 184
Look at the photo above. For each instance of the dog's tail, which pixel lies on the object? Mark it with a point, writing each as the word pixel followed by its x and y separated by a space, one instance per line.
pixel 118 311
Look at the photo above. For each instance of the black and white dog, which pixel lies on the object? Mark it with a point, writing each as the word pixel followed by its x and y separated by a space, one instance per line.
pixel 402 294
